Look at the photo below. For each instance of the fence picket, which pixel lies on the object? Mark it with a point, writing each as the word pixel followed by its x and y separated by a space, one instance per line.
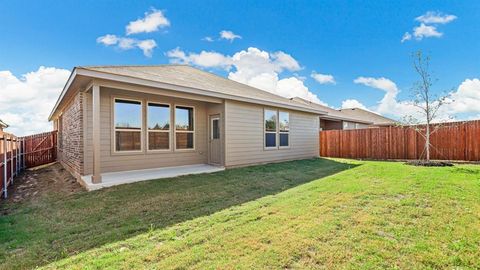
pixel 18 153
pixel 452 141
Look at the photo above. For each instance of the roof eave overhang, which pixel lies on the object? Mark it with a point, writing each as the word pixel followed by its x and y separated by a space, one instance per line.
pixel 336 118
pixel 138 81
pixel 62 94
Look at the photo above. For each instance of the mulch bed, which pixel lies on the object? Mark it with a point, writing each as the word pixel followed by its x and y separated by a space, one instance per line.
pixel 425 163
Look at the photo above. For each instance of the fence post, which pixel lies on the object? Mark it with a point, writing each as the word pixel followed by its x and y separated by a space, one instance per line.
pixel 5 163
pixel 16 160
pixel 23 153
pixel 11 159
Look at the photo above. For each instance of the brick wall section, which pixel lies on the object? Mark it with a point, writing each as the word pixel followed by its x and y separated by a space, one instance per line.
pixel 70 136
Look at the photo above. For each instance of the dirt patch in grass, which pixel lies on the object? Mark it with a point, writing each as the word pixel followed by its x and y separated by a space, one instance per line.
pixel 33 184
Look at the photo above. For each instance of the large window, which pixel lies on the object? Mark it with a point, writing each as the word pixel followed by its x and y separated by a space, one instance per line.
pixel 184 127
pixel 158 126
pixel 128 125
pixel 284 128
pixel 270 129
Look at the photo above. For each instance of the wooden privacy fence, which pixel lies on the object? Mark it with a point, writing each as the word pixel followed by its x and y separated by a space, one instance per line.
pixel 12 161
pixel 452 141
pixel 19 153
pixel 40 149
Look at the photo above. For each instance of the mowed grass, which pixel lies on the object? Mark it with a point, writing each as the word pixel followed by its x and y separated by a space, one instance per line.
pixel 294 215
pixel 57 226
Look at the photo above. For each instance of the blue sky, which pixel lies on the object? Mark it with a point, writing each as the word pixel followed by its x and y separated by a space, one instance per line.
pixel 344 39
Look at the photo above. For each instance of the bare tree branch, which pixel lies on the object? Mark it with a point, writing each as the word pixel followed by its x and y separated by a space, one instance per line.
pixel 429 104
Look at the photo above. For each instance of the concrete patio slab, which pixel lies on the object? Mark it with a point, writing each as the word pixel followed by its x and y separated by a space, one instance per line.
pixel 126 177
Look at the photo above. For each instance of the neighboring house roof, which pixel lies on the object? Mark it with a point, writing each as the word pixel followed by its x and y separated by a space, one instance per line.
pixel 332 114
pixel 3 124
pixel 185 78
pixel 377 119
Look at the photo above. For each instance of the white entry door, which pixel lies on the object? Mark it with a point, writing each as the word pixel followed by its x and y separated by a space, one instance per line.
pixel 215 146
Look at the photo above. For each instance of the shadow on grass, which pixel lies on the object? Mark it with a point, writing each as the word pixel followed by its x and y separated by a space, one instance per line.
pixel 57 227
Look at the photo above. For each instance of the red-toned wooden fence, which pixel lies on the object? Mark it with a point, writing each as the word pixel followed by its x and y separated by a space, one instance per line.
pixel 18 153
pixel 40 149
pixel 11 160
pixel 452 141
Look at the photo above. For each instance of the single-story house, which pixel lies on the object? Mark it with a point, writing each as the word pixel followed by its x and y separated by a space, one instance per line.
pixel 345 119
pixel 2 125
pixel 376 120
pixel 113 119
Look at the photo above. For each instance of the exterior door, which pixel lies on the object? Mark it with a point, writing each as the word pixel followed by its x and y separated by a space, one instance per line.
pixel 215 146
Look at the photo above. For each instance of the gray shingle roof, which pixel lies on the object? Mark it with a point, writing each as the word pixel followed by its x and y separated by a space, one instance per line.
pixel 187 76
pixel 332 113
pixel 377 119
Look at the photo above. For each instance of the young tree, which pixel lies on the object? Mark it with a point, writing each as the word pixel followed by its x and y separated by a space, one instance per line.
pixel 428 103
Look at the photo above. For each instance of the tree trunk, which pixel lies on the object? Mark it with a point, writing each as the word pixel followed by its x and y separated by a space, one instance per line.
pixel 427 142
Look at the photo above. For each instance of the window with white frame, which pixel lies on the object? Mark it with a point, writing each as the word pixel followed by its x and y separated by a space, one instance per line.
pixel 158 126
pixel 184 127
pixel 128 125
pixel 284 128
pixel 270 117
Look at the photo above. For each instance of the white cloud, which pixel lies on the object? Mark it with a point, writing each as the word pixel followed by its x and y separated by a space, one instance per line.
pixel 467 97
pixel 123 43
pixel 428 25
pixel 108 40
pixel 379 83
pixel 153 21
pixel 435 17
pixel 388 104
pixel 426 31
pixel 293 87
pixel 323 78
pixel 353 103
pixel 202 59
pixel 27 100
pixel 126 43
pixel 229 35
pixel 406 36
pixel 147 46
pixel 254 67
pixel 209 39
pixel 464 100
pixel 283 61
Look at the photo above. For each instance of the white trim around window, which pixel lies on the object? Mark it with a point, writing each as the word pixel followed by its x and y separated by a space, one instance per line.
pixel 278 130
pixel 265 131
pixel 175 131
pixel 167 131
pixel 285 131
pixel 115 129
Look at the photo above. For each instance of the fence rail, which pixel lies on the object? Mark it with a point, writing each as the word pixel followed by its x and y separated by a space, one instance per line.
pixel 454 141
pixel 19 153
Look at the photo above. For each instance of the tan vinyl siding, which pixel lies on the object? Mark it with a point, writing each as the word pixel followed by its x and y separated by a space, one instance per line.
pixel 245 135
pixel 111 161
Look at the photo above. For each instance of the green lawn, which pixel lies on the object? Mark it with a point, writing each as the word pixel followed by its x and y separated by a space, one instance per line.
pixel 301 214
